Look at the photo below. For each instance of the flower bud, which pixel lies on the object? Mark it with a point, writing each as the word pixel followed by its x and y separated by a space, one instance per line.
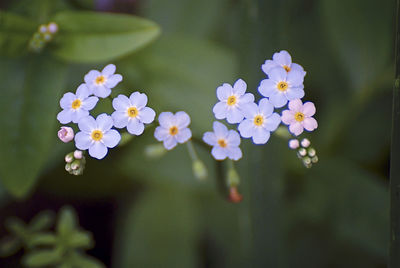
pixel 47 37
pixel 302 152
pixel 75 165
pixel 311 152
pixel 154 150
pixel 234 195
pixel 305 143
pixel 52 27
pixel 66 134
pixel 199 170
pixel 294 144
pixel 42 29
pixel 69 157
pixel 68 167
pixel 78 154
pixel 307 160
pixel 314 159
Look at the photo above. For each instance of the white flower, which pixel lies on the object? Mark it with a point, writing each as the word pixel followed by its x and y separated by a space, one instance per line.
pixel 173 129
pixel 231 99
pixel 282 59
pixel 97 135
pixel 101 83
pixel 132 112
pixel 66 134
pixel 299 117
pixel 260 121
pixel 225 142
pixel 76 106
pixel 282 86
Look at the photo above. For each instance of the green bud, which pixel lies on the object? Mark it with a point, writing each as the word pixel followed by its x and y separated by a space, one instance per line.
pixel 47 37
pixel 199 170
pixel 233 178
pixel 307 160
pixel 301 152
pixel 75 164
pixel 154 150
pixel 311 152
pixel 69 157
pixel 68 167
pixel 314 159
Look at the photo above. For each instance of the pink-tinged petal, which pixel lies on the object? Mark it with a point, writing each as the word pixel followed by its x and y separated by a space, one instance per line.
pixel 234 116
pixel 294 93
pixel 66 100
pixel 108 70
pixel 82 140
pixel 184 135
pixel 220 130
pixel 224 91
pixel 234 153
pixel 104 122
pixel 111 138
pixel 309 108
pixel 267 87
pixel 138 99
pixel 82 92
pixel 296 128
pixel 219 153
pixel 296 105
pixel 278 99
pixel 246 128
pixel 120 119
pixel 170 143
pixel 239 87
pixel 91 76
pixel 268 65
pixel 295 78
pixel 310 124
pixel 282 58
pixel 246 98
pixel 260 136
pixel 78 115
pixel 288 117
pixel 87 124
pixel 113 80
pixel 135 127
pixel 265 107
pixel 121 103
pixel 98 150
pixel 210 138
pixel 182 119
pixel 65 116
pixel 233 138
pixel 101 91
pixel 277 74
pixel 89 103
pixel 272 122
pixel 161 133
pixel 249 110
pixel 220 110
pixel 66 134
pixel 146 115
pixel 165 119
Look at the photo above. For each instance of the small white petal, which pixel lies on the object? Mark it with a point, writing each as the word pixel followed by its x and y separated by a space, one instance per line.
pixel 82 92
pixel 288 117
pixel 234 116
pixel 295 78
pixel 268 65
pixel 104 122
pixel 246 98
pixel 272 122
pixel 87 124
pixel 310 124
pixel 278 99
pixel 89 103
pixel 165 119
pixel 278 74
pixel 233 138
pixel 113 80
pixel 219 153
pixel 91 76
pixel 135 127
pixel 224 91
pixel 170 143
pixel 267 87
pixel 182 119
pixel 239 87
pixel 260 136
pixel 309 108
pixel 78 115
pixel 98 150
pixel 246 128
pixel 210 138
pixel 249 110
pixel 234 153
pixel 294 93
pixel 120 119
pixel 296 105
pixel 83 140
pixel 65 116
pixel 138 99
pixel 111 138
pixel 67 100
pixel 220 130
pixel 296 128
pixel 184 135
pixel 121 103
pixel 108 70
pixel 147 115
pixel 161 133
pixel 282 58
pixel 101 91
pixel 220 110
pixel 265 107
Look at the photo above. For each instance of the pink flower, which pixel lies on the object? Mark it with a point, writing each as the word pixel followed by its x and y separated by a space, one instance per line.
pixel 299 117
pixel 66 134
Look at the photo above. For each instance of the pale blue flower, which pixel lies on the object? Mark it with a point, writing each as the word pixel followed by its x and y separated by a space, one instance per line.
pixel 97 135
pixel 281 86
pixel 101 83
pixel 225 142
pixel 260 121
pixel 282 59
pixel 132 112
pixel 173 129
pixel 76 106
pixel 231 99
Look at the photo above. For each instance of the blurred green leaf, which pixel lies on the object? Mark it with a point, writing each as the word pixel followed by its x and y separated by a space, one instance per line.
pixel 67 222
pixel 43 220
pixel 28 105
pixel 80 239
pixel 78 260
pixel 43 257
pixel 9 245
pixel 16 226
pixel 41 239
pixel 96 37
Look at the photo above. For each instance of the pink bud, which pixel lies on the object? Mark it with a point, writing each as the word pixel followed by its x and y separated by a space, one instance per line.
pixel 52 27
pixel 78 154
pixel 305 143
pixel 66 134
pixel 294 144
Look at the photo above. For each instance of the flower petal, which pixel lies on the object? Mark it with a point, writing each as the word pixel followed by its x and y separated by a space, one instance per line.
pixel 82 92
pixel 161 133
pixel 104 122
pixel 146 115
pixel 219 153
pixel 67 100
pixel 246 128
pixel 91 76
pixel 249 110
pixel 295 78
pixel 282 58
pixel 277 74
pixel 78 115
pixel 89 103
pixel 224 91
pixel 170 143
pixel 108 70
pixel 235 153
pixel 233 138
pixel 294 93
pixel 135 127
pixel 184 135
pixel 182 119
pixel 288 117
pixel 82 140
pixel 65 116
pixel 120 119
pixel 296 105
pixel 121 103
pixel 239 87
pixel 220 130
pixel 267 87
pixel 278 99
pixel 272 122
pixel 98 150
pixel 310 124
pixel 111 138
pixel 138 99
pixel 165 119
pixel 210 138
pixel 246 98
pixel 101 91
pixel 87 124
pixel 296 128
pixel 268 65
pixel 113 80
pixel 309 108
pixel 220 110
pixel 234 116
pixel 260 136
pixel 265 107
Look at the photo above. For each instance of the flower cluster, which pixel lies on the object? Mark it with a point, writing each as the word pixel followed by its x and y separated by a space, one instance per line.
pixel 305 152
pixel 44 34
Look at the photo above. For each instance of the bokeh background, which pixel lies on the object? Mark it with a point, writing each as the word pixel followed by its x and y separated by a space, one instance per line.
pixel 153 212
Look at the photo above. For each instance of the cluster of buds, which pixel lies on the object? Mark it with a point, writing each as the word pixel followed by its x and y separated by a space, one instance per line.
pixel 305 152
pixel 75 162
pixel 43 35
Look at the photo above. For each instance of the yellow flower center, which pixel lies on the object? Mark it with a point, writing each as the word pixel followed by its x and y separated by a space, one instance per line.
pixel 133 112
pixel 287 68
pixel 173 130
pixel 258 120
pixel 222 143
pixel 100 80
pixel 97 135
pixel 299 117
pixel 76 104
pixel 231 100
pixel 282 86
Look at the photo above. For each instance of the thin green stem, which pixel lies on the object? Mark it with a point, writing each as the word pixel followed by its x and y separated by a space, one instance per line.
pixel 192 151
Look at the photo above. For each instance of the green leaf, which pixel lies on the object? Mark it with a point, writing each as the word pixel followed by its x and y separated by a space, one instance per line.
pixel 16 226
pixel 41 239
pixel 84 261
pixel 28 103
pixel 15 32
pixel 43 220
pixel 67 221
pixel 96 37
pixel 9 245
pixel 80 239
pixel 43 257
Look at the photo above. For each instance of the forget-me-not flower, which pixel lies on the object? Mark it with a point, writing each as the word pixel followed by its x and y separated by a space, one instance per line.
pixel 225 142
pixel 282 59
pixel 260 121
pixel 76 106
pixel 299 117
pixel 173 129
pixel 97 135
pixel 132 112
pixel 231 99
pixel 101 83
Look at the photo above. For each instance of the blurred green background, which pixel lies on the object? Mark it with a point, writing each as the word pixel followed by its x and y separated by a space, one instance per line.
pixel 153 212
